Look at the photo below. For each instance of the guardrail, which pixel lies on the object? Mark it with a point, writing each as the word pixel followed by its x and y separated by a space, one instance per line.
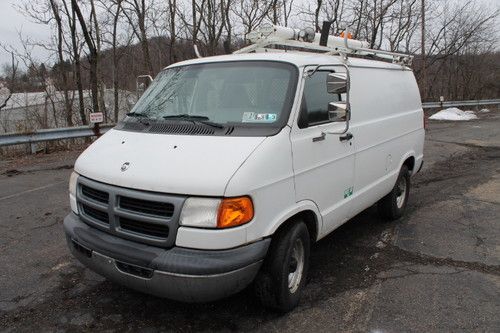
pixel 479 102
pixel 52 134
pixel 85 131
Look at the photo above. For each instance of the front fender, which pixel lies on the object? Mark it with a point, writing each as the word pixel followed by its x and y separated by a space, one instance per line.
pixel 301 206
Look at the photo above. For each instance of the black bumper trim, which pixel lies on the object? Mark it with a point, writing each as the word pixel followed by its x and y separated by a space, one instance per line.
pixel 175 260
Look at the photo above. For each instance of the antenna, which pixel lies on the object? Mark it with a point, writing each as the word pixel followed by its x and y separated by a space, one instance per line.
pixel 325 31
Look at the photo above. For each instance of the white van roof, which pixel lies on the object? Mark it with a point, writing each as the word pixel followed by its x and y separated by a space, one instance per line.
pixel 298 59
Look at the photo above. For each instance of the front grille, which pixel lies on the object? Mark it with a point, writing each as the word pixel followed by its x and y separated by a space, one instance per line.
pixel 155 208
pixel 93 194
pixel 95 214
pixel 141 227
pixel 146 217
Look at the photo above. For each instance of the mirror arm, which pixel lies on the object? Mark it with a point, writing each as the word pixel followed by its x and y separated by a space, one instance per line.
pixel 313 71
pixel 346 129
pixel 348 104
pixel 348 115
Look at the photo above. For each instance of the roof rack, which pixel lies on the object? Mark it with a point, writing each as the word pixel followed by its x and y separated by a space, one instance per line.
pixel 270 37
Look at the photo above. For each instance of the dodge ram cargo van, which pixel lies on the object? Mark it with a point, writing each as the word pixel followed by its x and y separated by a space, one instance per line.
pixel 229 167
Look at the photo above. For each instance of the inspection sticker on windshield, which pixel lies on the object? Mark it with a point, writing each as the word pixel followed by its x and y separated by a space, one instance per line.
pixel 253 117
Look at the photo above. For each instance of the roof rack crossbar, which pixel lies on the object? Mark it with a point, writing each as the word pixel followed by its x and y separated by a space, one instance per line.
pixel 270 36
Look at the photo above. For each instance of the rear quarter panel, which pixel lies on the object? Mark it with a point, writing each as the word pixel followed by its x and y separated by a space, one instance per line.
pixel 387 124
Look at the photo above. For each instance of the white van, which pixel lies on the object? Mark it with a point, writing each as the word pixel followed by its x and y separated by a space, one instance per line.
pixel 229 167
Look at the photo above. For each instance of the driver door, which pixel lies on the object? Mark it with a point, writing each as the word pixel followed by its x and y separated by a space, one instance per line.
pixel 323 163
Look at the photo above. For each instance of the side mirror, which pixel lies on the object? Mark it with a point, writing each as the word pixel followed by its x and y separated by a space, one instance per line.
pixel 337 111
pixel 142 83
pixel 336 83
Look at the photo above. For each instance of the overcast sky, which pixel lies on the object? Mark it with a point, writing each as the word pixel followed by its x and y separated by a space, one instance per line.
pixel 12 22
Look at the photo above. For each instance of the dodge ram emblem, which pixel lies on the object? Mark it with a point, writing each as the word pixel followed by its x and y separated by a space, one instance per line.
pixel 125 166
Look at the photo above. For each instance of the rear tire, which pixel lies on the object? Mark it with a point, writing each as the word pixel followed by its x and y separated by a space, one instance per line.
pixel 283 275
pixel 393 205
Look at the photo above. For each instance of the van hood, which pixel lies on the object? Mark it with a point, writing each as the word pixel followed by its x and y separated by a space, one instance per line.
pixel 176 164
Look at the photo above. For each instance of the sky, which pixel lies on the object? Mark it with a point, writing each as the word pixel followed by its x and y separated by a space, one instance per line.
pixel 11 23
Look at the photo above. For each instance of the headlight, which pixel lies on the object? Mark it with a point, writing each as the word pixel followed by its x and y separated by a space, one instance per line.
pixel 200 212
pixel 216 213
pixel 72 192
pixel 72 183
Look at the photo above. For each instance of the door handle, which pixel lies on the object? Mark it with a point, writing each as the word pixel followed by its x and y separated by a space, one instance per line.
pixel 320 138
pixel 346 137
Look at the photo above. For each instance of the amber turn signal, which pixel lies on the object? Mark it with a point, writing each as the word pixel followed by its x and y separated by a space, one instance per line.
pixel 234 212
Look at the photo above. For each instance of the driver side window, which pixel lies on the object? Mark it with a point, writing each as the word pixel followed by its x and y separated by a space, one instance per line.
pixel 315 100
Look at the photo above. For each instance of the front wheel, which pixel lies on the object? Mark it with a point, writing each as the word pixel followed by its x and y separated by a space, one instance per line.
pixel 283 274
pixel 393 205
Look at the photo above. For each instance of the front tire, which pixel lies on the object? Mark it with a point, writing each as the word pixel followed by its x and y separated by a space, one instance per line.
pixel 393 205
pixel 283 275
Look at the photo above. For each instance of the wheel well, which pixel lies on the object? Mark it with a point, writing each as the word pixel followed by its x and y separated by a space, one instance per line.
pixel 410 163
pixel 309 218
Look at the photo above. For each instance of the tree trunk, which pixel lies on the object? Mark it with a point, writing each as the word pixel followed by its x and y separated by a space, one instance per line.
pixel 64 77
pixel 92 56
pixel 115 62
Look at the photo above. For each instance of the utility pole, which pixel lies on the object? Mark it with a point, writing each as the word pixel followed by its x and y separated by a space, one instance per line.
pixel 424 69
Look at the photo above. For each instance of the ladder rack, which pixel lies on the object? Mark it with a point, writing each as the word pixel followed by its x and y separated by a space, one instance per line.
pixel 268 37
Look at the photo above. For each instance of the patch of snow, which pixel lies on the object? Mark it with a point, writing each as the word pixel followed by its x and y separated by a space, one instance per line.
pixel 484 111
pixel 453 114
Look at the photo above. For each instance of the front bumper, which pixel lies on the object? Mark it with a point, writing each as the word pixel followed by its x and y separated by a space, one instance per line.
pixel 178 273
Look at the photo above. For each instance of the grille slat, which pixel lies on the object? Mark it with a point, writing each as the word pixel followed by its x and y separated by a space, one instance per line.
pixel 141 216
pixel 155 208
pixel 95 195
pixel 155 230
pixel 95 214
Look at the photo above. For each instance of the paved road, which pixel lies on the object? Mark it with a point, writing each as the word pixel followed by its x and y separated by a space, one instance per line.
pixel 437 269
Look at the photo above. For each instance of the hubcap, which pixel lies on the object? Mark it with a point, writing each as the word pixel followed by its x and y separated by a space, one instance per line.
pixel 401 193
pixel 296 267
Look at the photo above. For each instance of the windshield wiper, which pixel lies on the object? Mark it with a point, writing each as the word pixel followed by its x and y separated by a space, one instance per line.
pixel 140 117
pixel 135 114
pixel 186 116
pixel 195 119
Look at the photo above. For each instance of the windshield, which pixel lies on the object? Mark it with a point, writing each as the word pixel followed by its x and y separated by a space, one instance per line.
pixel 236 93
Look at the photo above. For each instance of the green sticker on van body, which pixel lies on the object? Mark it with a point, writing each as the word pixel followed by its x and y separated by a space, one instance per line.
pixel 348 192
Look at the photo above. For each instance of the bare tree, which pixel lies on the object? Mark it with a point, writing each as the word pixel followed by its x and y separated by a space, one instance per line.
pixel 138 9
pixel 75 54
pixel 280 12
pixel 97 38
pixel 92 54
pixel 56 12
pixel 172 11
pixel 11 74
pixel 213 15
pixel 116 17
pixel 403 22
pixel 251 13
